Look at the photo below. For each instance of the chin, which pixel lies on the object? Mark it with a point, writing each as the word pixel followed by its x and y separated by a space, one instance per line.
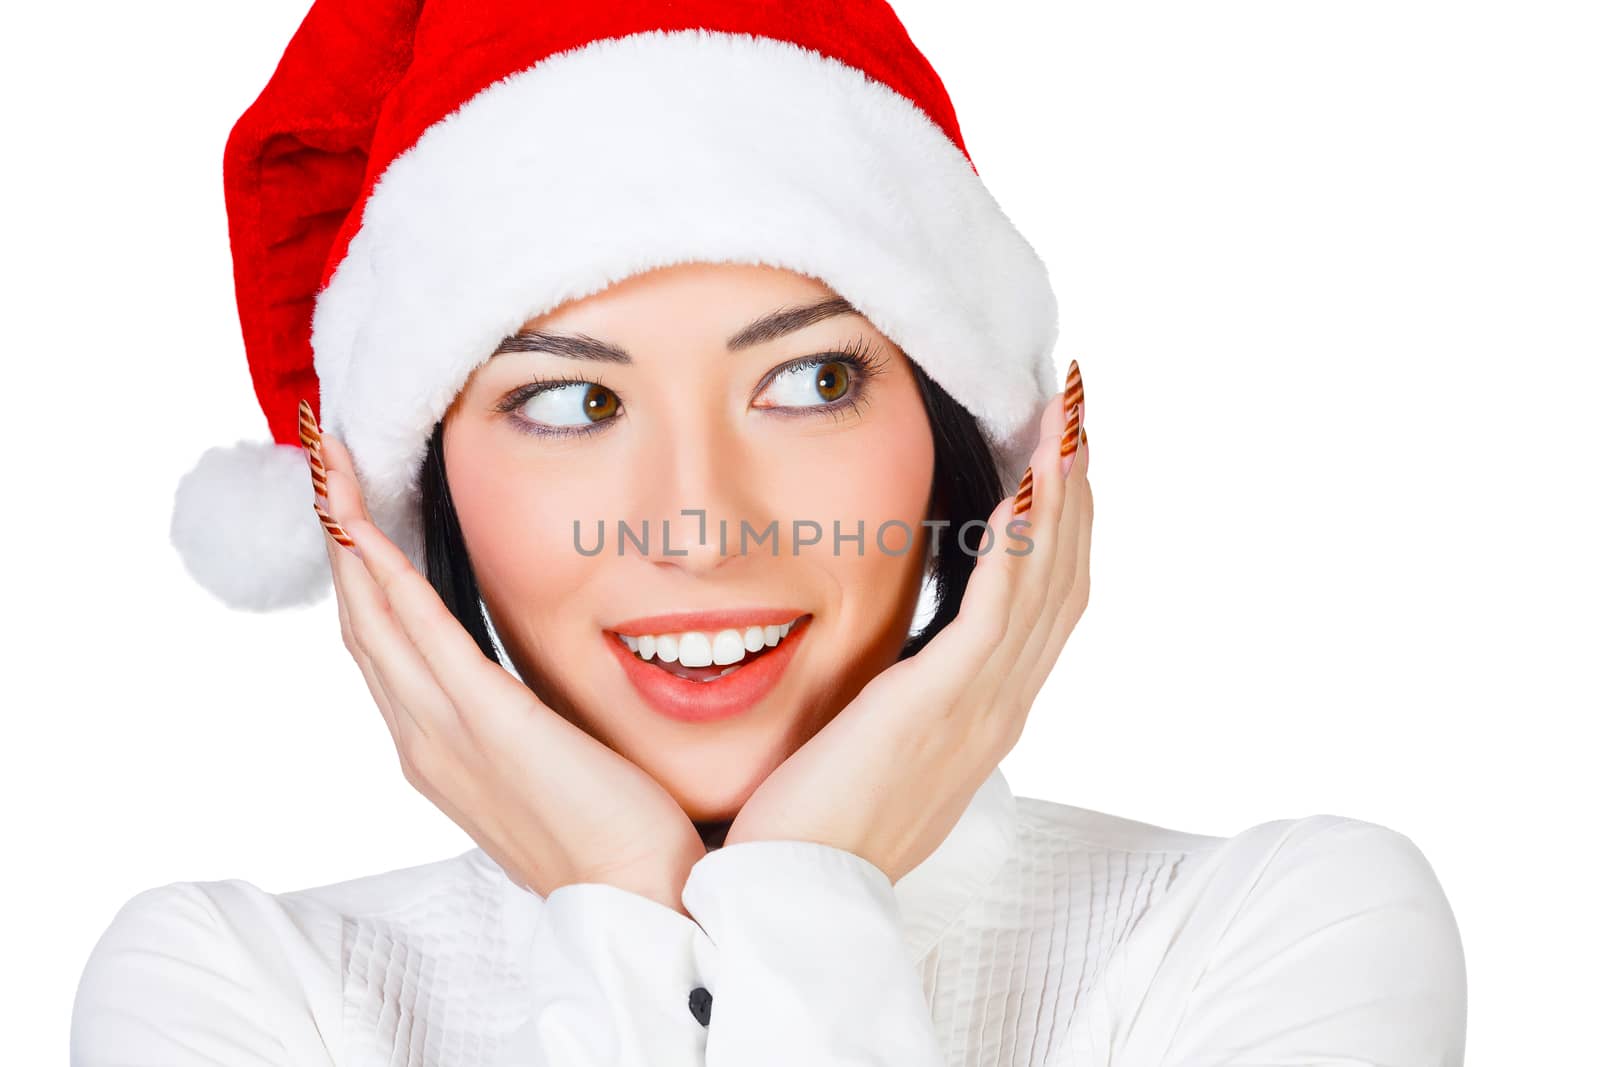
pixel 713 787
pixel 709 770
pixel 711 797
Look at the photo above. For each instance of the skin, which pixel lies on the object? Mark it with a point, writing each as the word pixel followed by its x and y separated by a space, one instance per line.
pixel 885 779
pixel 689 425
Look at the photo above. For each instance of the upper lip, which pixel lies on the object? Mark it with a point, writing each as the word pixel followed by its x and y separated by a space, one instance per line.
pixel 706 621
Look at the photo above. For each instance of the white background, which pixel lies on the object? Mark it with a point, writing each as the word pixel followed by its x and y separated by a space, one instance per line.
pixel 1330 271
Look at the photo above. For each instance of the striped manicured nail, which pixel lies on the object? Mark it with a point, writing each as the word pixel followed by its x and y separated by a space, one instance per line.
pixel 1074 391
pixel 335 531
pixel 311 441
pixel 1070 437
pixel 1024 493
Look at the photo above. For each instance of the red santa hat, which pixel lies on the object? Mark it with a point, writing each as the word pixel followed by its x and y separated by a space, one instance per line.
pixel 417 181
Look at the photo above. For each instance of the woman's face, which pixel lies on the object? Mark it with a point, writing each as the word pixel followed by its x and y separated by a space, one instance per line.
pixel 675 421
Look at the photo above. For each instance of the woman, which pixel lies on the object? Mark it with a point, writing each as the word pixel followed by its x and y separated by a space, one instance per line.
pixel 724 278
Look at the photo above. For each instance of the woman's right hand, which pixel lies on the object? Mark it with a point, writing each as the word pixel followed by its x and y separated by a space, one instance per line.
pixel 543 799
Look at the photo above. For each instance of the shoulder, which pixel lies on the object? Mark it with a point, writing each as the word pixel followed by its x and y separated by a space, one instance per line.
pixel 1332 857
pixel 189 973
pixel 1299 939
pixel 1322 935
pixel 225 915
pixel 1290 877
pixel 178 960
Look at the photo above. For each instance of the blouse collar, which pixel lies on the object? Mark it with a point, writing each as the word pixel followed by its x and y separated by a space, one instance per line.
pixel 933 894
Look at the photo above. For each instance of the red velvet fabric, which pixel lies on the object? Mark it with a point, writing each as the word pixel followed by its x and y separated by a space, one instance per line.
pixel 362 79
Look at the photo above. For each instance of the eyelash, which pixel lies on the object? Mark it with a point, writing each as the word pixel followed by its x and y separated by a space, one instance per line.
pixel 864 358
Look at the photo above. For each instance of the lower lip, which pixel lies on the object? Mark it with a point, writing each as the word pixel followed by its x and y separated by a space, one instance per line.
pixel 691 701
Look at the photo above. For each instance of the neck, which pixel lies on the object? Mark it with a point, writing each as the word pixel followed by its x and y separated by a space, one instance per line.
pixel 712 834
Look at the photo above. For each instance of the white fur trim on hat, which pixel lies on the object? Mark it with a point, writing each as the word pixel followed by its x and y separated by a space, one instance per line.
pixel 243 525
pixel 657 148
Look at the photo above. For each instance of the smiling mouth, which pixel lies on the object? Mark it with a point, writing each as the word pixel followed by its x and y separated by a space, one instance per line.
pixel 650 652
pixel 708 674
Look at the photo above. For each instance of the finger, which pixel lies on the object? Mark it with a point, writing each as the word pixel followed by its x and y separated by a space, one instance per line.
pixel 384 662
pixel 1072 604
pixel 1034 569
pixel 312 441
pixel 970 652
pixel 984 615
pixel 369 672
pixel 1070 612
pixel 990 600
pixel 1059 583
pixel 376 640
pixel 337 457
pixel 461 674
pixel 1072 468
pixel 1001 603
pixel 448 652
pixel 1072 472
pixel 1073 394
pixel 380 635
pixel 444 645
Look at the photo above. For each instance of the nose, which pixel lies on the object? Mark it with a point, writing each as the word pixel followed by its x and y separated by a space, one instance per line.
pixel 696 485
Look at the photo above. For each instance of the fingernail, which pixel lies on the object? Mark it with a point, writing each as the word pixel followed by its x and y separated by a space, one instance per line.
pixel 1024 493
pixel 311 441
pixel 1070 438
pixel 1073 395
pixel 337 532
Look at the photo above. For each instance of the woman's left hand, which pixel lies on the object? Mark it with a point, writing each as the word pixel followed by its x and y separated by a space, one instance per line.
pixel 890 775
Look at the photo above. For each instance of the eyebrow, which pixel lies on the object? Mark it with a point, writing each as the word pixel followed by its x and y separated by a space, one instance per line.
pixel 767 328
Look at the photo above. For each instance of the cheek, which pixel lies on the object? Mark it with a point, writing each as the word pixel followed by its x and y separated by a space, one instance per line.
pixel 879 472
pixel 522 547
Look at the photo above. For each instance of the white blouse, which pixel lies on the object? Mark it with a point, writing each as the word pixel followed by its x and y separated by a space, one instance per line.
pixel 1037 934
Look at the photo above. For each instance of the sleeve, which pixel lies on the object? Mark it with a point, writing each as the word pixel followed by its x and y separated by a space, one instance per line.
pixel 166 985
pixel 811 968
pixel 1344 951
pixel 614 981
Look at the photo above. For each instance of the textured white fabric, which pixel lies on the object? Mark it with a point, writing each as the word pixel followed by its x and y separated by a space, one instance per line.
pixel 1037 934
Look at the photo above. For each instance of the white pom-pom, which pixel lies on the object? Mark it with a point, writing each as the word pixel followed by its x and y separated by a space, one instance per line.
pixel 243 524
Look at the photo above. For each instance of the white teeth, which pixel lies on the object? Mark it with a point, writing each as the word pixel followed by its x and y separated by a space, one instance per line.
pixel 728 647
pixel 695 648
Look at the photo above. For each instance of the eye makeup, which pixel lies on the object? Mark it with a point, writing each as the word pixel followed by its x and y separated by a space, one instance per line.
pixel 864 359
